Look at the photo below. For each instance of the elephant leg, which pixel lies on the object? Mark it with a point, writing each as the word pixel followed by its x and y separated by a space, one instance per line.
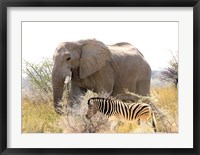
pixel 128 97
pixel 143 87
pixel 105 90
pixel 76 92
pixel 128 94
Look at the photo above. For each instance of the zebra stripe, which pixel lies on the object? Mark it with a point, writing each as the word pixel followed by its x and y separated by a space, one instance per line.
pixel 131 112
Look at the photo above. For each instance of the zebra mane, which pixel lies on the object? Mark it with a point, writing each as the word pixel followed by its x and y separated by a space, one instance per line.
pixel 99 98
pixel 102 98
pixel 108 99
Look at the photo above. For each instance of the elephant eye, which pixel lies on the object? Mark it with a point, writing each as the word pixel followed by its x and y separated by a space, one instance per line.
pixel 68 59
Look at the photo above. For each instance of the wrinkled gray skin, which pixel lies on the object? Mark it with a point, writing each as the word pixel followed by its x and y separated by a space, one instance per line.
pixel 98 67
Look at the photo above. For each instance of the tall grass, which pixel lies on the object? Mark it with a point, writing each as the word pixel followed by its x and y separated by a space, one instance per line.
pixel 168 105
pixel 40 117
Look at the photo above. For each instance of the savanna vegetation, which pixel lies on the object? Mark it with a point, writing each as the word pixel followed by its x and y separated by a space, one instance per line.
pixel 38 115
pixel 170 74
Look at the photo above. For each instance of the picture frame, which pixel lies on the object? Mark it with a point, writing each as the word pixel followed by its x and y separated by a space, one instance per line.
pixel 195 4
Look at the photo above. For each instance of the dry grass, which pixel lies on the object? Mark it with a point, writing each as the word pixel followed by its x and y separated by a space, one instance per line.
pixel 39 117
pixel 74 120
pixel 168 105
pixel 164 102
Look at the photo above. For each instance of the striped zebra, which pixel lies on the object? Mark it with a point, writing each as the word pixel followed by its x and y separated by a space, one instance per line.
pixel 134 112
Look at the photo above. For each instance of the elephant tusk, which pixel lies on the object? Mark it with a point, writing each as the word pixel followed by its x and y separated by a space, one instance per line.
pixel 67 79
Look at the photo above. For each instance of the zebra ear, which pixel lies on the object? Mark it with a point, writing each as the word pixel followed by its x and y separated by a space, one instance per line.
pixel 90 103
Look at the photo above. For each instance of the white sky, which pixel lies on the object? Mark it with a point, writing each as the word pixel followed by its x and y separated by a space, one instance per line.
pixel 153 39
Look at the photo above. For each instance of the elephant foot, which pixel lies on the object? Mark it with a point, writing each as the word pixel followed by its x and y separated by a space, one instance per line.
pixel 73 104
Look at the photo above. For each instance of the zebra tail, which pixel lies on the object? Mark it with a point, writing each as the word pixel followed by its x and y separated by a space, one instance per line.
pixel 154 122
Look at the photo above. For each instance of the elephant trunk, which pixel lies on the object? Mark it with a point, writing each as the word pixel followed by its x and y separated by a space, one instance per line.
pixel 58 84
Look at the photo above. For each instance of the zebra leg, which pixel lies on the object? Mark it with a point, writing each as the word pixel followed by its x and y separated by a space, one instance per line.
pixel 154 122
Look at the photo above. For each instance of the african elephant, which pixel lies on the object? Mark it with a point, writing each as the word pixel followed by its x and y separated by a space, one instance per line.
pixel 95 66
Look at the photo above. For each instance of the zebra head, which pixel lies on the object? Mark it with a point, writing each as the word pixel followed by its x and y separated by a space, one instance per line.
pixel 92 108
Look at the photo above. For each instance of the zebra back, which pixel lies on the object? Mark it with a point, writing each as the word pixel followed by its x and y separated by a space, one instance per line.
pixel 130 111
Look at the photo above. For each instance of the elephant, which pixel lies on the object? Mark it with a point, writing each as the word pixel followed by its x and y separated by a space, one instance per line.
pixel 92 65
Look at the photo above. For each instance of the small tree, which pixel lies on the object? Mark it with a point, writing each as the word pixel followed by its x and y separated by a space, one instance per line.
pixel 40 74
pixel 170 74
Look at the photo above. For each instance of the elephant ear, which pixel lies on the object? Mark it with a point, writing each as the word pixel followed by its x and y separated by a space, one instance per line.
pixel 94 56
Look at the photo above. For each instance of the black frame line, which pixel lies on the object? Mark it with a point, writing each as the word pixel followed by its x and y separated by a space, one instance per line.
pixel 4 4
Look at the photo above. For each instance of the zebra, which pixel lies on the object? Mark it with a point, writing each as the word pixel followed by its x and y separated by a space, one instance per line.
pixel 134 112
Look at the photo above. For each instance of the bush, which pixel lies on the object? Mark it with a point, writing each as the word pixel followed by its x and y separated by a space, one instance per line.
pixel 74 120
pixel 170 74
pixel 39 75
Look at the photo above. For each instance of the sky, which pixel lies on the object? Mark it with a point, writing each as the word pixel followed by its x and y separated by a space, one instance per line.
pixel 156 40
